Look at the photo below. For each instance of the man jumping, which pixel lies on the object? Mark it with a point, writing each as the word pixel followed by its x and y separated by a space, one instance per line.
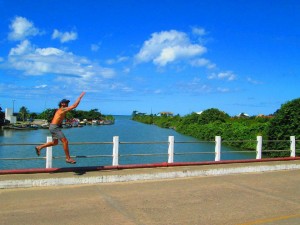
pixel 55 128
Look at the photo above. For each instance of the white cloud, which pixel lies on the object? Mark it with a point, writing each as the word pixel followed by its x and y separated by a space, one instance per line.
pixel 127 89
pixel 203 63
pixel 41 86
pixel 40 61
pixel 228 75
pixel 64 36
pixel 119 59
pixel 168 46
pixel 250 80
pixel 199 31
pixel 61 66
pixel 195 86
pixel 21 28
pixel 49 51
pixel 23 48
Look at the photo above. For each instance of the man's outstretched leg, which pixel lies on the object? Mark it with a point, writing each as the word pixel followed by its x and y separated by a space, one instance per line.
pixel 48 144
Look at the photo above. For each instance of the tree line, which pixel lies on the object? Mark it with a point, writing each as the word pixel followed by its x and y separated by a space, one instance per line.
pixel 90 115
pixel 25 115
pixel 239 131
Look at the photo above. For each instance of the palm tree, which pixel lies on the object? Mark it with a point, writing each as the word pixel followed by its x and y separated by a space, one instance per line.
pixel 24 112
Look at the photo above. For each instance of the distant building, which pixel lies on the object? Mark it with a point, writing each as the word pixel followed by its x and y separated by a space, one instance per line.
pixel 243 115
pixel 136 113
pixel 10 116
pixel 166 113
pixel 264 116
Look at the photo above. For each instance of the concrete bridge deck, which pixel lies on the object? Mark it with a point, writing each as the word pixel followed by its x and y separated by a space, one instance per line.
pixel 249 193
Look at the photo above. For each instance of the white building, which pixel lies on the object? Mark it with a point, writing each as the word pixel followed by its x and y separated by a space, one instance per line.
pixel 9 115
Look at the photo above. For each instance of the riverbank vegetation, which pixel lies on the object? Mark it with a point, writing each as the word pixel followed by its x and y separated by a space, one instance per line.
pixel 90 115
pixel 24 115
pixel 238 131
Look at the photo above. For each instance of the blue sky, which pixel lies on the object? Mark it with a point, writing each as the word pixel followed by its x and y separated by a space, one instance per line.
pixel 150 56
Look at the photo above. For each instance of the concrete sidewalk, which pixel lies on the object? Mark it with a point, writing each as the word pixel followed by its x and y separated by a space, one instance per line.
pixel 163 196
pixel 125 175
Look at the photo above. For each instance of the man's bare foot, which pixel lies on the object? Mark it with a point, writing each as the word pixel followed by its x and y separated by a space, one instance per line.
pixel 71 161
pixel 38 151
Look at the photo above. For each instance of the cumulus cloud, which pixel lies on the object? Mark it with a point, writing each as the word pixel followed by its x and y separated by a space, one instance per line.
pixel 60 65
pixel 228 75
pixel 168 46
pixel 64 36
pixel 22 48
pixel 21 28
pixel 203 63
pixel 39 61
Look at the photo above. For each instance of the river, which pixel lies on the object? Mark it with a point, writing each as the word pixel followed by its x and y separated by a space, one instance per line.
pixel 100 154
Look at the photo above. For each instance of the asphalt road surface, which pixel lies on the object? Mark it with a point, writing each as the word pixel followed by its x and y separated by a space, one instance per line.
pixel 254 198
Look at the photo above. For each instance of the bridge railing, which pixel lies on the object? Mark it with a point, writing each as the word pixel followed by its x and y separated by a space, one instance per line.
pixel 170 153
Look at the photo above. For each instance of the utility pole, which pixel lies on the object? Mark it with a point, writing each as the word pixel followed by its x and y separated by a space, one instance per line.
pixel 13 106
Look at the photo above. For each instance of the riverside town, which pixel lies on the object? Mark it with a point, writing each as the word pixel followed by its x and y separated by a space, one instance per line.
pixel 23 120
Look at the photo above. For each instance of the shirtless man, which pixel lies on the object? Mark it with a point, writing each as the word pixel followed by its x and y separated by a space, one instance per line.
pixel 55 130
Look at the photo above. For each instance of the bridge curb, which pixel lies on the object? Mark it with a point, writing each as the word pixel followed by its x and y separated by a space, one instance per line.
pixel 144 174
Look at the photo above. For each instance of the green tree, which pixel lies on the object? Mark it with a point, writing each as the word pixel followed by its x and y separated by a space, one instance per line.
pixel 93 114
pixel 191 118
pixel 47 114
pixel 23 113
pixel 212 115
pixel 286 123
pixel 33 115
pixel 213 122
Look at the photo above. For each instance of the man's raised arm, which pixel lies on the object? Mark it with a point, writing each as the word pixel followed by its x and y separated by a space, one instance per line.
pixel 77 101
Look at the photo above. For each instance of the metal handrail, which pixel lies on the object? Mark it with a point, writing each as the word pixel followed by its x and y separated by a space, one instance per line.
pixel 150 154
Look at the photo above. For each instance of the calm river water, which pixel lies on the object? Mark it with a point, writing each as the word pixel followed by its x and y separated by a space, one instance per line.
pixel 100 154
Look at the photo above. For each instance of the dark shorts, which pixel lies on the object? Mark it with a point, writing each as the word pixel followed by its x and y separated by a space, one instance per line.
pixel 56 132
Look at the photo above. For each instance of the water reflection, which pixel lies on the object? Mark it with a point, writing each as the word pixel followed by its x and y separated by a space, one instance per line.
pixel 6 132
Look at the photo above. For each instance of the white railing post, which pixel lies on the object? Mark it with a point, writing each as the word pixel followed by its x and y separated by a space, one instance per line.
pixel 258 147
pixel 49 153
pixel 218 148
pixel 115 161
pixel 171 149
pixel 293 146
